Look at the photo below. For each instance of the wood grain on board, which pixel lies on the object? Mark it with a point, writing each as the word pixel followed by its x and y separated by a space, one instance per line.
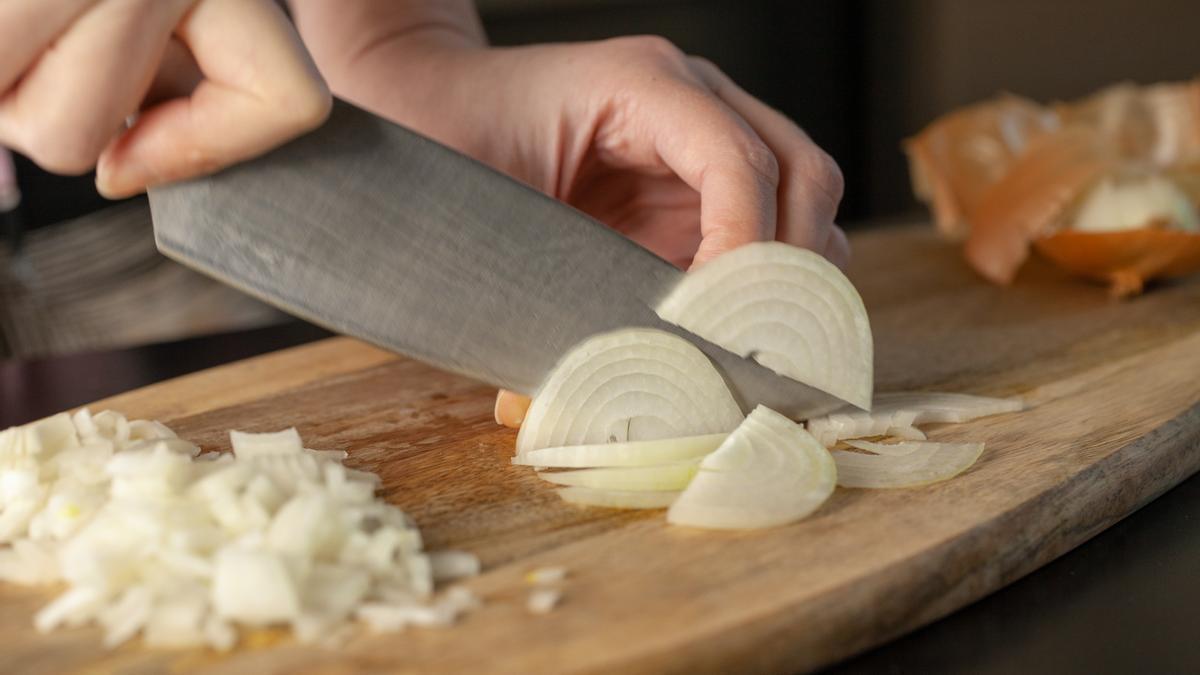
pixel 1117 422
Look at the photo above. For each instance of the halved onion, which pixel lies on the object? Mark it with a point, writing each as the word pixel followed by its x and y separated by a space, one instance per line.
pixel 769 472
pixel 908 464
pixel 632 478
pixel 897 414
pixel 628 385
pixel 785 307
pixel 629 453
pixel 618 499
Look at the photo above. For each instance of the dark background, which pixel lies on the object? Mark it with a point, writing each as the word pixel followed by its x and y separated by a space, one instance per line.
pixel 859 75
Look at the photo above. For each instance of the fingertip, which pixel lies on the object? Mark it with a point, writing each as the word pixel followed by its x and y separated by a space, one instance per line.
pixel 837 248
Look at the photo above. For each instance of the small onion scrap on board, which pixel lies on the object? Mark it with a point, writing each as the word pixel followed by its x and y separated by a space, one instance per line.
pixel 1106 188
pixel 153 537
pixel 899 413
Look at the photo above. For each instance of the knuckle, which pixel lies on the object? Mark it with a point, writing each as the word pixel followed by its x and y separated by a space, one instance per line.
pixel 652 46
pixel 69 149
pixel 307 106
pixel 824 171
pixel 762 161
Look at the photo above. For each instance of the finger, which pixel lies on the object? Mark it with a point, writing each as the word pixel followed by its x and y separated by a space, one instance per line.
pixel 260 89
pixel 810 186
pixel 511 408
pixel 837 249
pixel 712 150
pixel 75 99
pixel 27 27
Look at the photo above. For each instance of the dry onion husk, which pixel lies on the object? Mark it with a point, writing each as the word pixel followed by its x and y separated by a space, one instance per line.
pixel 1024 197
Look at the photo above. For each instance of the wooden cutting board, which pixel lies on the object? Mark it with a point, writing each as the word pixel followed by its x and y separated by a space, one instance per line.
pixel 1116 423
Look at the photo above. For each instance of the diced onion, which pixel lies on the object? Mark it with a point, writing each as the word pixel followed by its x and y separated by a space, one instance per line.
pixel 453 565
pixel 632 478
pixel 629 453
pixel 618 499
pixel 908 464
pixel 628 385
pixel 153 537
pixel 769 472
pixel 545 576
pixel 785 307
pixel 543 600
pixel 897 414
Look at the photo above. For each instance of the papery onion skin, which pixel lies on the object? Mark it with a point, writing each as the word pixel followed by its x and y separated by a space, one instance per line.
pixel 1035 192
pixel 1124 260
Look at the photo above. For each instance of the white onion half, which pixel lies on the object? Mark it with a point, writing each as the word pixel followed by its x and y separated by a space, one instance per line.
pixel 785 307
pixel 898 414
pixel 628 385
pixel 769 472
pixel 633 478
pixel 908 464
pixel 629 453
pixel 618 499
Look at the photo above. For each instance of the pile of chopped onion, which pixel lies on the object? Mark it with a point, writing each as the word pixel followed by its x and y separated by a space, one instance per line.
pixel 153 537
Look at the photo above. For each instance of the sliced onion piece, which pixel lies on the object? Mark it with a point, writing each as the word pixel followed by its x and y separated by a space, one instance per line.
pixel 628 385
pixel 909 464
pixel 618 499
pixel 248 445
pixel 629 453
pixel 632 478
pixel 785 307
pixel 897 414
pixel 769 472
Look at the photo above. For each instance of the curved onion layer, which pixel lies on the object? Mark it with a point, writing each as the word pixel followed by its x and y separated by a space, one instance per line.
pixel 150 536
pixel 769 472
pixel 897 414
pixel 628 385
pixel 908 464
pixel 958 157
pixel 785 307
pixel 618 499
pixel 1158 124
pixel 630 453
pixel 1024 204
pixel 630 478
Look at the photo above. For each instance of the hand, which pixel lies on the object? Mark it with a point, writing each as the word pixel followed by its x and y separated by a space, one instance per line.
pixel 212 82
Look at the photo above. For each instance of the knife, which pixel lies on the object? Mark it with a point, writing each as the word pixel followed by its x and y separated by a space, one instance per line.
pixel 375 231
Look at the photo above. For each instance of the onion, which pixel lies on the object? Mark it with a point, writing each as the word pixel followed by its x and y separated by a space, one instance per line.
pixel 898 413
pixel 545 576
pixel 629 453
pixel 908 464
pixel 769 472
pixel 153 537
pixel 628 385
pixel 452 565
pixel 632 478
pixel 1135 202
pixel 543 600
pixel 785 307
pixel 618 499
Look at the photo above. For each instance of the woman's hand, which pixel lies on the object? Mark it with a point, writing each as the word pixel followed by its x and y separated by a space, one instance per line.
pixel 659 145
pixel 212 82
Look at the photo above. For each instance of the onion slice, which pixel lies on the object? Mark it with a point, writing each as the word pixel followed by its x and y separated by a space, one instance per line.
pixel 628 385
pixel 908 464
pixel 787 308
pixel 898 414
pixel 630 478
pixel 769 472
pixel 629 453
pixel 618 499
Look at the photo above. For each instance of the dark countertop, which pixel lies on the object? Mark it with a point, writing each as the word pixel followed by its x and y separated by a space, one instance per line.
pixel 1128 601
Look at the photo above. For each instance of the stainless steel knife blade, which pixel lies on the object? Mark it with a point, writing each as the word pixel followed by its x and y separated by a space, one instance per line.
pixel 373 230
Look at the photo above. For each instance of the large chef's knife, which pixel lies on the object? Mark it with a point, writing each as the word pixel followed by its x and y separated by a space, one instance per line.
pixel 375 231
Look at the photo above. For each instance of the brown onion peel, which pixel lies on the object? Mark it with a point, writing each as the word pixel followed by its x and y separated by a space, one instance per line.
pixel 1125 260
